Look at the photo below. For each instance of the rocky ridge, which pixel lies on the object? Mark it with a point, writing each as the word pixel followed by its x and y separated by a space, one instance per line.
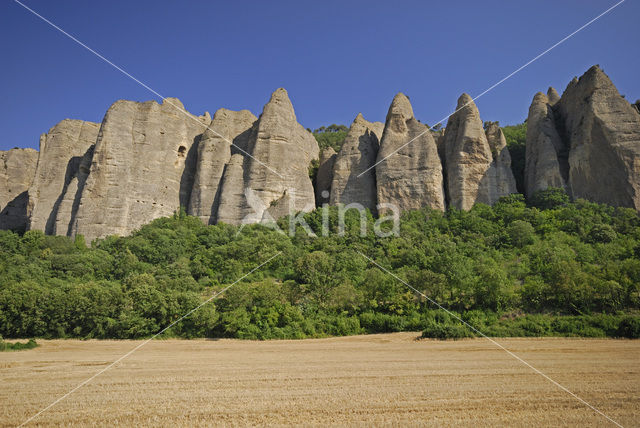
pixel 147 160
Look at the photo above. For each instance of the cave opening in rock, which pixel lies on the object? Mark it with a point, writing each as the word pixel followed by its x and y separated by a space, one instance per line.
pixel 182 151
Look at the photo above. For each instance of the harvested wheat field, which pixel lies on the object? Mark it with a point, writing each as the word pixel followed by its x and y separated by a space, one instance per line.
pixel 389 379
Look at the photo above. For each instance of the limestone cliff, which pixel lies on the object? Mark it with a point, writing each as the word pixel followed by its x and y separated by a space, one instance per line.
pixel 409 172
pixel 142 167
pixel 61 152
pixel 228 130
pixel 354 175
pixel 603 134
pixel 281 154
pixel 477 171
pixel 17 169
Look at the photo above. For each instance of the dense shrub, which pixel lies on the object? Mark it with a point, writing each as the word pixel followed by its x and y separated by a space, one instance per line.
pixel 563 268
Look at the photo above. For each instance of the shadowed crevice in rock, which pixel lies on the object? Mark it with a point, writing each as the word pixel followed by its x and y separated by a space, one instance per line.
pixel 14 214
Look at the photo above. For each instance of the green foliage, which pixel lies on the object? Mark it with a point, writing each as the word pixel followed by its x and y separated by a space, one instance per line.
pixel 331 136
pixel 572 267
pixel 550 198
pixel 17 346
pixel 516 136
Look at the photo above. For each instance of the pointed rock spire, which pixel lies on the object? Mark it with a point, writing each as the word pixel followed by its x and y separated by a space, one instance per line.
pixel 354 179
pixel 602 131
pixel 281 155
pixel 546 154
pixel 409 172
pixel 473 175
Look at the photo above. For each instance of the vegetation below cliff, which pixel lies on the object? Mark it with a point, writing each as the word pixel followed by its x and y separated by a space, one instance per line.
pixel 550 268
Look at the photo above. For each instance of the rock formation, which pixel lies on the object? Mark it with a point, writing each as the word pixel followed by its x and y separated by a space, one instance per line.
pixel 233 206
pixel 500 173
pixel 603 134
pixel 281 154
pixel 354 174
pixel 409 174
pixel 142 167
pixel 587 141
pixel 324 177
pixel 476 171
pixel 17 169
pixel 148 160
pixel 546 155
pixel 228 130
pixel 61 152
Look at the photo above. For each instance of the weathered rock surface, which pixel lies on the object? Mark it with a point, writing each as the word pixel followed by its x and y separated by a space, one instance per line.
pixel 324 177
pixel 233 205
pixel 61 152
pixel 142 167
pixel 546 154
pixel 409 174
pixel 357 156
pixel 474 173
pixel 281 154
pixel 17 169
pixel 228 130
pixel 500 176
pixel 603 134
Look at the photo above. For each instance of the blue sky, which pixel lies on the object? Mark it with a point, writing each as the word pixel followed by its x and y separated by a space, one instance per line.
pixel 335 58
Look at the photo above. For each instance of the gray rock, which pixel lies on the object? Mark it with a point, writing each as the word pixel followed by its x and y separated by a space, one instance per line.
pixel 214 152
pixel 281 155
pixel 61 152
pixel 233 205
pixel 409 174
pixel 603 134
pixel 17 169
pixel 500 176
pixel 142 167
pixel 546 154
pixel 473 175
pixel 357 155
pixel 552 95
pixel 324 177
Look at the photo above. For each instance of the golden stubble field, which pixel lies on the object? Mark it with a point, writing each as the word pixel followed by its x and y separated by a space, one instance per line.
pixel 390 379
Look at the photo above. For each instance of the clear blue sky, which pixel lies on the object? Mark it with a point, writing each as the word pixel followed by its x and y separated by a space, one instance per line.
pixel 335 58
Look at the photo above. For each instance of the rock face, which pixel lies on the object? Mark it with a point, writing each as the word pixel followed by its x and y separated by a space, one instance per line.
pixel 587 141
pixel 546 154
pixel 603 134
pixel 233 205
pixel 409 174
pixel 281 154
pixel 477 171
pixel 354 177
pixel 500 175
pixel 228 130
pixel 142 167
pixel 17 169
pixel 324 177
pixel 61 152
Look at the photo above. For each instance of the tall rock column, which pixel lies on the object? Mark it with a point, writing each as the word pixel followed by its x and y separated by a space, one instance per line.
pixel 357 156
pixel 61 152
pixel 214 152
pixel 142 167
pixel 546 154
pixel 500 173
pixel 409 172
pixel 277 172
pixel 17 169
pixel 474 173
